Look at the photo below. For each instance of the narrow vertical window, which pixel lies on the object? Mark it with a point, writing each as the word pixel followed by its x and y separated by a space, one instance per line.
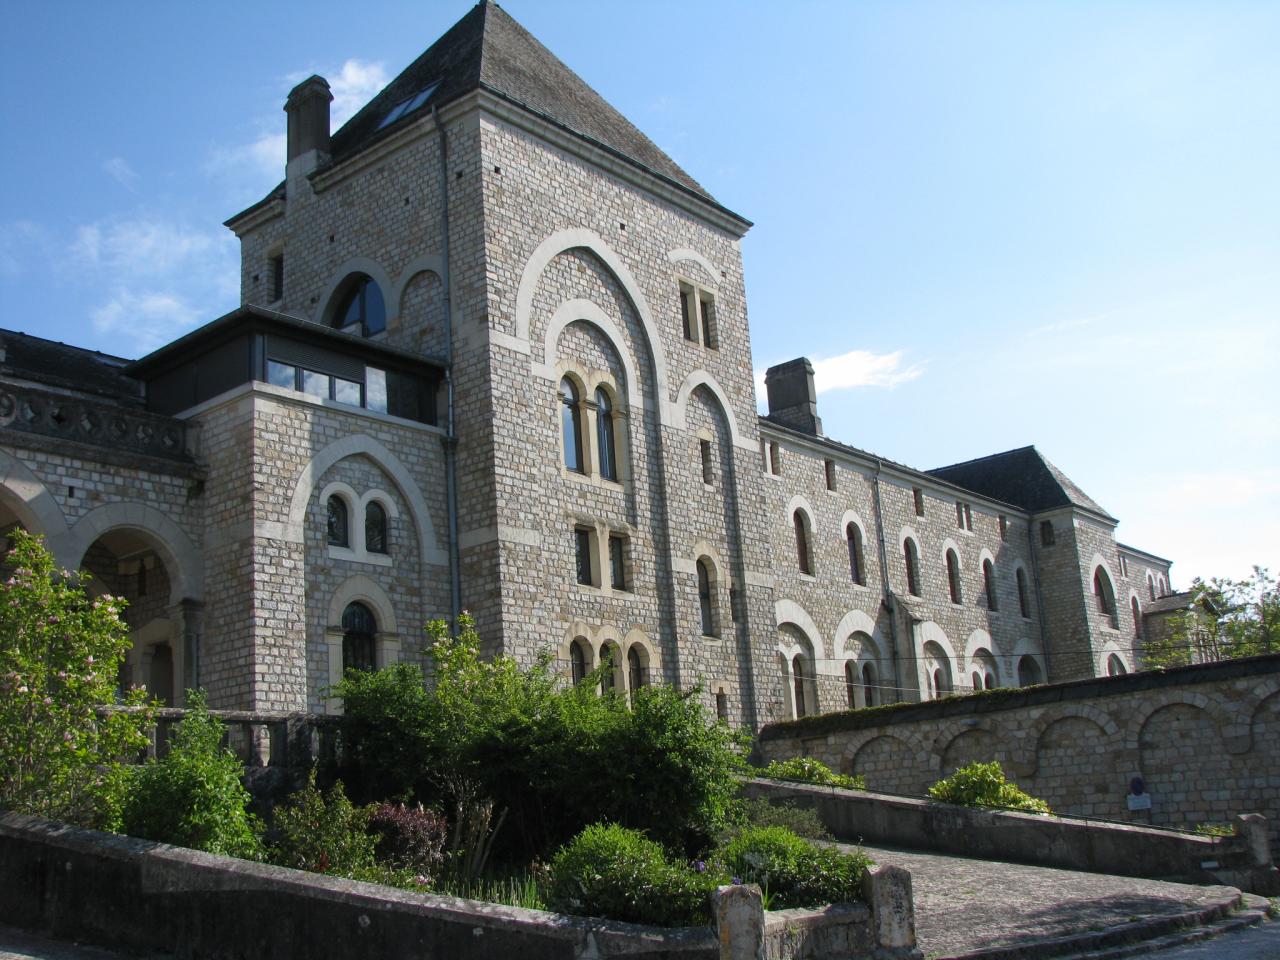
pixel 706 314
pixel 277 277
pixel 1004 527
pixel 571 425
pixel 968 517
pixel 608 680
pixel 1104 595
pixel 854 536
pixel 804 560
pixel 375 528
pixel 1024 602
pixel 1046 533
pixel 959 514
pixel 1151 586
pixel 911 556
pixel 953 576
pixel 706 600
pixel 339 531
pixel 831 474
pixel 989 581
pixel 359 629
pixel 1137 618
pixel 708 470
pixel 775 460
pixel 617 562
pixel 869 688
pixel 605 435
pixel 918 495
pixel 850 685
pixel 799 679
pixel 578 659
pixel 637 676
pixel 687 316
pixel 582 555
pixel 722 705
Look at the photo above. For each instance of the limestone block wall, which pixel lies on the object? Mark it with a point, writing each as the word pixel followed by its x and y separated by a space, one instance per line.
pixel 1202 738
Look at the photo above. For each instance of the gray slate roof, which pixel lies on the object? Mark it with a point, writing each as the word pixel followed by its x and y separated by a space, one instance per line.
pixel 488 49
pixel 1173 602
pixel 1023 477
pixel 35 359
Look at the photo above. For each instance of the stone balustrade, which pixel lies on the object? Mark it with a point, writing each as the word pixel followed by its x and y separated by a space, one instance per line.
pixel 30 410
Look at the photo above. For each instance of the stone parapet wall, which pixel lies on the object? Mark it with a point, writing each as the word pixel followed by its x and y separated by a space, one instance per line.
pixel 1202 738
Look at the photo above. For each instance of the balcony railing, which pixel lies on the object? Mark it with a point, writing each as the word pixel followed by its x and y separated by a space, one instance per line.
pixel 47 414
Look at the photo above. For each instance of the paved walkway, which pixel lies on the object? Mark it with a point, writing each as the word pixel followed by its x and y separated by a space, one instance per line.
pixel 964 906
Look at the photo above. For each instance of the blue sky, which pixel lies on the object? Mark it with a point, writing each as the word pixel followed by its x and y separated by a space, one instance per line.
pixel 989 224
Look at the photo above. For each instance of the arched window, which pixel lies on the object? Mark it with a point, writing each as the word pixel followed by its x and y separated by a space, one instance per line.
pixel 375 527
pixel 804 561
pixel 1137 617
pixel 869 688
pixel 800 682
pixel 578 659
pixel 361 307
pixel 605 436
pixel 339 529
pixel 850 685
pixel 608 681
pixel 637 675
pixel 359 629
pixel 707 599
pixel 1029 671
pixel 989 582
pixel 857 572
pixel 1151 586
pixel 1104 595
pixel 1024 601
pixel 911 556
pixel 722 705
pixel 1115 666
pixel 977 680
pixel 571 425
pixel 953 576
pixel 939 685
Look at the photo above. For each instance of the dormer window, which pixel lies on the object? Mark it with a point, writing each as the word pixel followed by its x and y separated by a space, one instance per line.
pixel 408 105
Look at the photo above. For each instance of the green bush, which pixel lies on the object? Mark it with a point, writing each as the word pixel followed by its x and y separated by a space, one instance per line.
pixel 809 770
pixel 759 812
pixel 193 797
pixel 984 785
pixel 792 871
pixel 59 662
pixel 610 871
pixel 323 833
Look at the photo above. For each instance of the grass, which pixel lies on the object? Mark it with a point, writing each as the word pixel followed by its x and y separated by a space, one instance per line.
pixel 518 890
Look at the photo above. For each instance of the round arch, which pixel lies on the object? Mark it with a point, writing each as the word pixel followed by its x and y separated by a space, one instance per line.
pixel 788 611
pixel 426 263
pixel 588 311
pixel 702 378
pixel 174 547
pixel 338 280
pixel 686 255
pixel 36 508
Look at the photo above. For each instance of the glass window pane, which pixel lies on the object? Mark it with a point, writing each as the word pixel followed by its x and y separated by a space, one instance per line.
pixel 375 309
pixel 282 375
pixel 375 528
pixel 346 391
pixel 316 384
pixel 375 387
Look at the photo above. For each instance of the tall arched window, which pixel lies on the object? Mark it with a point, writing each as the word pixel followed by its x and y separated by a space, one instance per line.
pixel 870 689
pixel 571 425
pixel 911 556
pixel 989 582
pixel 608 659
pixel 361 307
pixel 1029 671
pixel 339 532
pixel 1151 586
pixel 850 684
pixel 605 436
pixel 1137 617
pixel 1024 601
pixel 1115 666
pixel 707 599
pixel 857 572
pixel 800 683
pixel 953 576
pixel 1104 595
pixel 359 629
pixel 578 659
pixel 637 675
pixel 804 560
pixel 375 527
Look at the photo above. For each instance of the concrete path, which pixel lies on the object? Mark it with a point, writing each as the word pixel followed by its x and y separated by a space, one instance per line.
pixel 981 907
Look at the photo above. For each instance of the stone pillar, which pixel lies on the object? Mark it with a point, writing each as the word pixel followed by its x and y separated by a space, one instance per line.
pixel 191 626
pixel 887 891
pixel 1252 829
pixel 739 913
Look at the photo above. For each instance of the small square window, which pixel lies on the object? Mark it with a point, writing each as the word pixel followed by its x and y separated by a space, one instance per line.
pixel 282 375
pixel 918 495
pixel 582 555
pixel 617 562
pixel 708 468
pixel 830 466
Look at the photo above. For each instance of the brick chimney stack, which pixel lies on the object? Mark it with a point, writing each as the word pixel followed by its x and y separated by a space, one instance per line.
pixel 793 401
pixel 308 110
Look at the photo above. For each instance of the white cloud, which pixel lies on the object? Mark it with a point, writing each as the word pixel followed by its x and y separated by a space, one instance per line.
pixel 146 247
pixel 119 170
pixel 146 320
pixel 353 86
pixel 862 368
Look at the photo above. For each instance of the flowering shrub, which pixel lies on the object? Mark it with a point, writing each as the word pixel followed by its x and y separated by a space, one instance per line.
pixel 60 653
pixel 984 785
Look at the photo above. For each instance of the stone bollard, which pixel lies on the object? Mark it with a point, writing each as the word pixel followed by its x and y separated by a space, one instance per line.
pixel 739 912
pixel 1252 829
pixel 887 891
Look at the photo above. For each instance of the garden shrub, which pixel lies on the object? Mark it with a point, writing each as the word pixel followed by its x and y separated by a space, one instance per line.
pixel 59 664
pixel 411 838
pixel 610 871
pixel 323 833
pixel 809 770
pixel 759 812
pixel 193 797
pixel 984 785
pixel 792 871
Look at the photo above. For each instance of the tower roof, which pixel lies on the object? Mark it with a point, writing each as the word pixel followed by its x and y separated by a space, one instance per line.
pixel 488 49
pixel 1023 477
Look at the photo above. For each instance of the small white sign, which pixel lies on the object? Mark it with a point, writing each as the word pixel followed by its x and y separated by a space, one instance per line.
pixel 1139 801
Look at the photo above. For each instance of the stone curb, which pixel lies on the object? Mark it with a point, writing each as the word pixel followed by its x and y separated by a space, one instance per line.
pixel 1232 924
pixel 1122 936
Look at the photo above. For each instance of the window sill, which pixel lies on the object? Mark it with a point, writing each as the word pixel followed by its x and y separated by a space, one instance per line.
pixel 807 578
pixel 349 555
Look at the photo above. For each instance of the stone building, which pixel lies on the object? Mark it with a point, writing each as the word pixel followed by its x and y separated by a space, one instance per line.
pixel 492 354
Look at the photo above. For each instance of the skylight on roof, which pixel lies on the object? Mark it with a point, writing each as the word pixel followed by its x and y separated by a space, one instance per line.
pixel 406 107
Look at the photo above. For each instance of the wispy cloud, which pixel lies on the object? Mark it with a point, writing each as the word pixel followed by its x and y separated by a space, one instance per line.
pixel 353 86
pixel 142 247
pixel 145 320
pixel 118 169
pixel 857 368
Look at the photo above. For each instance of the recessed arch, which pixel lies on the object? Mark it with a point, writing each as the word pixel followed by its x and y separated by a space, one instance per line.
pixel 702 378
pixel 788 611
pixel 686 255
pixel 581 238
pixel 337 285
pixel 36 509
pixel 174 547
pixel 424 263
pixel 362 589
pixel 587 311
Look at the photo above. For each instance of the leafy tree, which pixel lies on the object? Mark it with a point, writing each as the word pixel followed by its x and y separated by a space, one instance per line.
pixel 1225 619
pixel 60 654
pixel 193 797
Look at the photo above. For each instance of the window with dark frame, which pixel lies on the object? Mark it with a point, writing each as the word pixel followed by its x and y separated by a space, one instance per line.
pixel 577 659
pixel 854 537
pixel 804 560
pixel 918 495
pixel 605 442
pixel 722 705
pixel 911 556
pixel 277 277
pixel 1046 533
pixel 338 533
pixel 708 468
pixel 617 562
pixel 571 425
pixel 953 576
pixel 359 632
pixel 375 528
pixel 362 307
pixel 1004 527
pixel 707 600
pixel 582 555
pixel 989 582
pixel 830 467
pixel 1024 601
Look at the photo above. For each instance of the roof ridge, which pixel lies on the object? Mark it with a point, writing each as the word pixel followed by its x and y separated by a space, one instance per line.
pixel 989 456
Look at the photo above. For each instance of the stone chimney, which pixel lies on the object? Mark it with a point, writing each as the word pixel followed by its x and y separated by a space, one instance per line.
pixel 308 110
pixel 793 401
